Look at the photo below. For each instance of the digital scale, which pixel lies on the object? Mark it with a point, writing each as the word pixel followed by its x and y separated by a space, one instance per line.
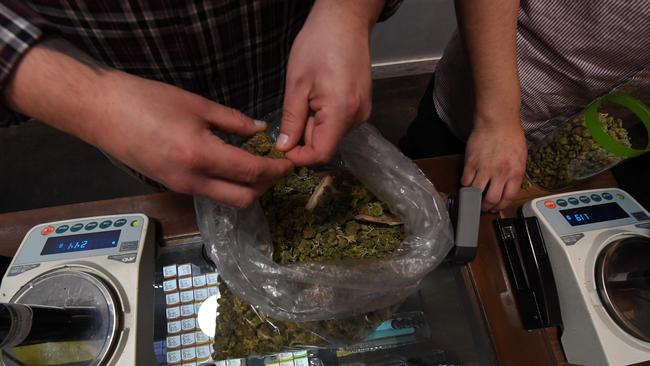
pixel 598 245
pixel 102 263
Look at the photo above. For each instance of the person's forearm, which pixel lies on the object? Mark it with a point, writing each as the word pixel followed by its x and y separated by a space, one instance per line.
pixel 358 15
pixel 61 86
pixel 488 29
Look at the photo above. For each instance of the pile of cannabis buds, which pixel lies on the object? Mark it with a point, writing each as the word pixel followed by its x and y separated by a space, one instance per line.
pixel 337 227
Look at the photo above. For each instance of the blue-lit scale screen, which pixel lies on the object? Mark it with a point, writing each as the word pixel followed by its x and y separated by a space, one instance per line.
pixel 592 214
pixel 81 242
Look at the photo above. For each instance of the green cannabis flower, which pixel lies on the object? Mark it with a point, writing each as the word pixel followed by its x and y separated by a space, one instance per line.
pixel 327 232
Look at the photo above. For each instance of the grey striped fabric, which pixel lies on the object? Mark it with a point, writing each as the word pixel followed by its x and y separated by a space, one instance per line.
pixel 569 53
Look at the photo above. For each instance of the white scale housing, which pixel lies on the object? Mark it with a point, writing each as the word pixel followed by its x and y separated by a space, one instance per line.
pixel 590 335
pixel 116 253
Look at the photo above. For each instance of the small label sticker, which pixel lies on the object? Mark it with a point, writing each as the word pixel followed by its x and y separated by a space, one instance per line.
pixel 185 283
pixel 203 352
pixel 188 339
pixel 188 354
pixel 173 357
pixel 172 299
pixel 199 281
pixel 170 285
pixel 187 310
pixel 173 342
pixel 213 290
pixel 212 279
pixel 188 324
pixel 187 296
pixel 173 313
pixel 174 327
pixel 200 294
pixel 201 337
pixel 184 270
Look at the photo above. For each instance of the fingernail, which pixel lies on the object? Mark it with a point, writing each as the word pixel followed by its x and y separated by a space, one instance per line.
pixel 259 123
pixel 283 139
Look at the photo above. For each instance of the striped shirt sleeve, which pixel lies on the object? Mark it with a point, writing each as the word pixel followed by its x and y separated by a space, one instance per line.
pixel 20 28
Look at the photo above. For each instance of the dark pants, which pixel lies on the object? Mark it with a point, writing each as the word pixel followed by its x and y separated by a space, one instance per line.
pixel 428 135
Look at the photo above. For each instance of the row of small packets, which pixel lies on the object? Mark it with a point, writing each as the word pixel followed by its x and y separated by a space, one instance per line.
pixel 185 290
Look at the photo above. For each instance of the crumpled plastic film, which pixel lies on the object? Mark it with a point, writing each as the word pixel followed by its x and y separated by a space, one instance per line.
pixel 239 243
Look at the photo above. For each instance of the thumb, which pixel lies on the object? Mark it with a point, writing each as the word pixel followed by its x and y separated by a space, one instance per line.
pixel 294 116
pixel 233 121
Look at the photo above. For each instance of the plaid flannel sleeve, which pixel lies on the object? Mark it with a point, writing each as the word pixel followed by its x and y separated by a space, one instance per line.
pixel 20 28
pixel 390 7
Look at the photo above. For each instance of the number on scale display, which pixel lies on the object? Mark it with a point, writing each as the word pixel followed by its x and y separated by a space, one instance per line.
pixel 81 242
pixel 593 214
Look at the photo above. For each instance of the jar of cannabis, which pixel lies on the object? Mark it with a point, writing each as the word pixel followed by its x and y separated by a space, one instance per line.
pixel 611 129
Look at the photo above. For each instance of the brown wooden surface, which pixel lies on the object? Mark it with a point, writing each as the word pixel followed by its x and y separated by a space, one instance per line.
pixel 174 212
pixel 513 345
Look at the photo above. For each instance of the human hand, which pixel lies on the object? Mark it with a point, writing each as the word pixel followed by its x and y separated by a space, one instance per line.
pixel 328 84
pixel 164 132
pixel 495 158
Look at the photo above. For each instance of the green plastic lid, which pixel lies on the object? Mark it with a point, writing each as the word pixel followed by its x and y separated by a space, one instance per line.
pixel 595 128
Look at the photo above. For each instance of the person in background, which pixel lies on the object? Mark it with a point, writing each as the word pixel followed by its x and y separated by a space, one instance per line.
pixel 514 71
pixel 147 82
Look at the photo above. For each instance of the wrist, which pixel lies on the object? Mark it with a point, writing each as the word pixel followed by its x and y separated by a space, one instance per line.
pixel 357 17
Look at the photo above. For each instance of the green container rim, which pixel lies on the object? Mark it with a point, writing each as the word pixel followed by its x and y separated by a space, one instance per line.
pixel 595 128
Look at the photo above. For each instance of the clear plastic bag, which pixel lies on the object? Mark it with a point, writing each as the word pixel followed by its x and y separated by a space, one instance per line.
pixel 239 243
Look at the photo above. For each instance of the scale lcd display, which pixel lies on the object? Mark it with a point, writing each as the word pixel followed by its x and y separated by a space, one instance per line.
pixel 592 214
pixel 81 242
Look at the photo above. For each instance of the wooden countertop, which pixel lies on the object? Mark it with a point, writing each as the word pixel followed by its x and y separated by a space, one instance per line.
pixel 487 275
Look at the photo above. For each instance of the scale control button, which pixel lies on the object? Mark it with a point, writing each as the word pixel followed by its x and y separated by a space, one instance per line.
pixel 561 203
pixel 119 222
pixel 584 199
pixel 91 225
pixel 62 229
pixel 129 246
pixel 47 230
pixel 607 196
pixel 596 198
pixel 640 215
pixel 549 204
pixel 76 227
pixel 645 225
pixel 16 270
pixel 620 196
pixel 573 201
pixel 124 258
pixel 572 239
pixel 135 223
pixel 104 224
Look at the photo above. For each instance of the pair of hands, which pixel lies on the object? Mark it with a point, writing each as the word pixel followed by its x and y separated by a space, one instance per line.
pixel 164 132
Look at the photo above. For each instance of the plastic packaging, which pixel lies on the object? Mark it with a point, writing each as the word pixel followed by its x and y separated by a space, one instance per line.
pixel 239 243
pixel 611 129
